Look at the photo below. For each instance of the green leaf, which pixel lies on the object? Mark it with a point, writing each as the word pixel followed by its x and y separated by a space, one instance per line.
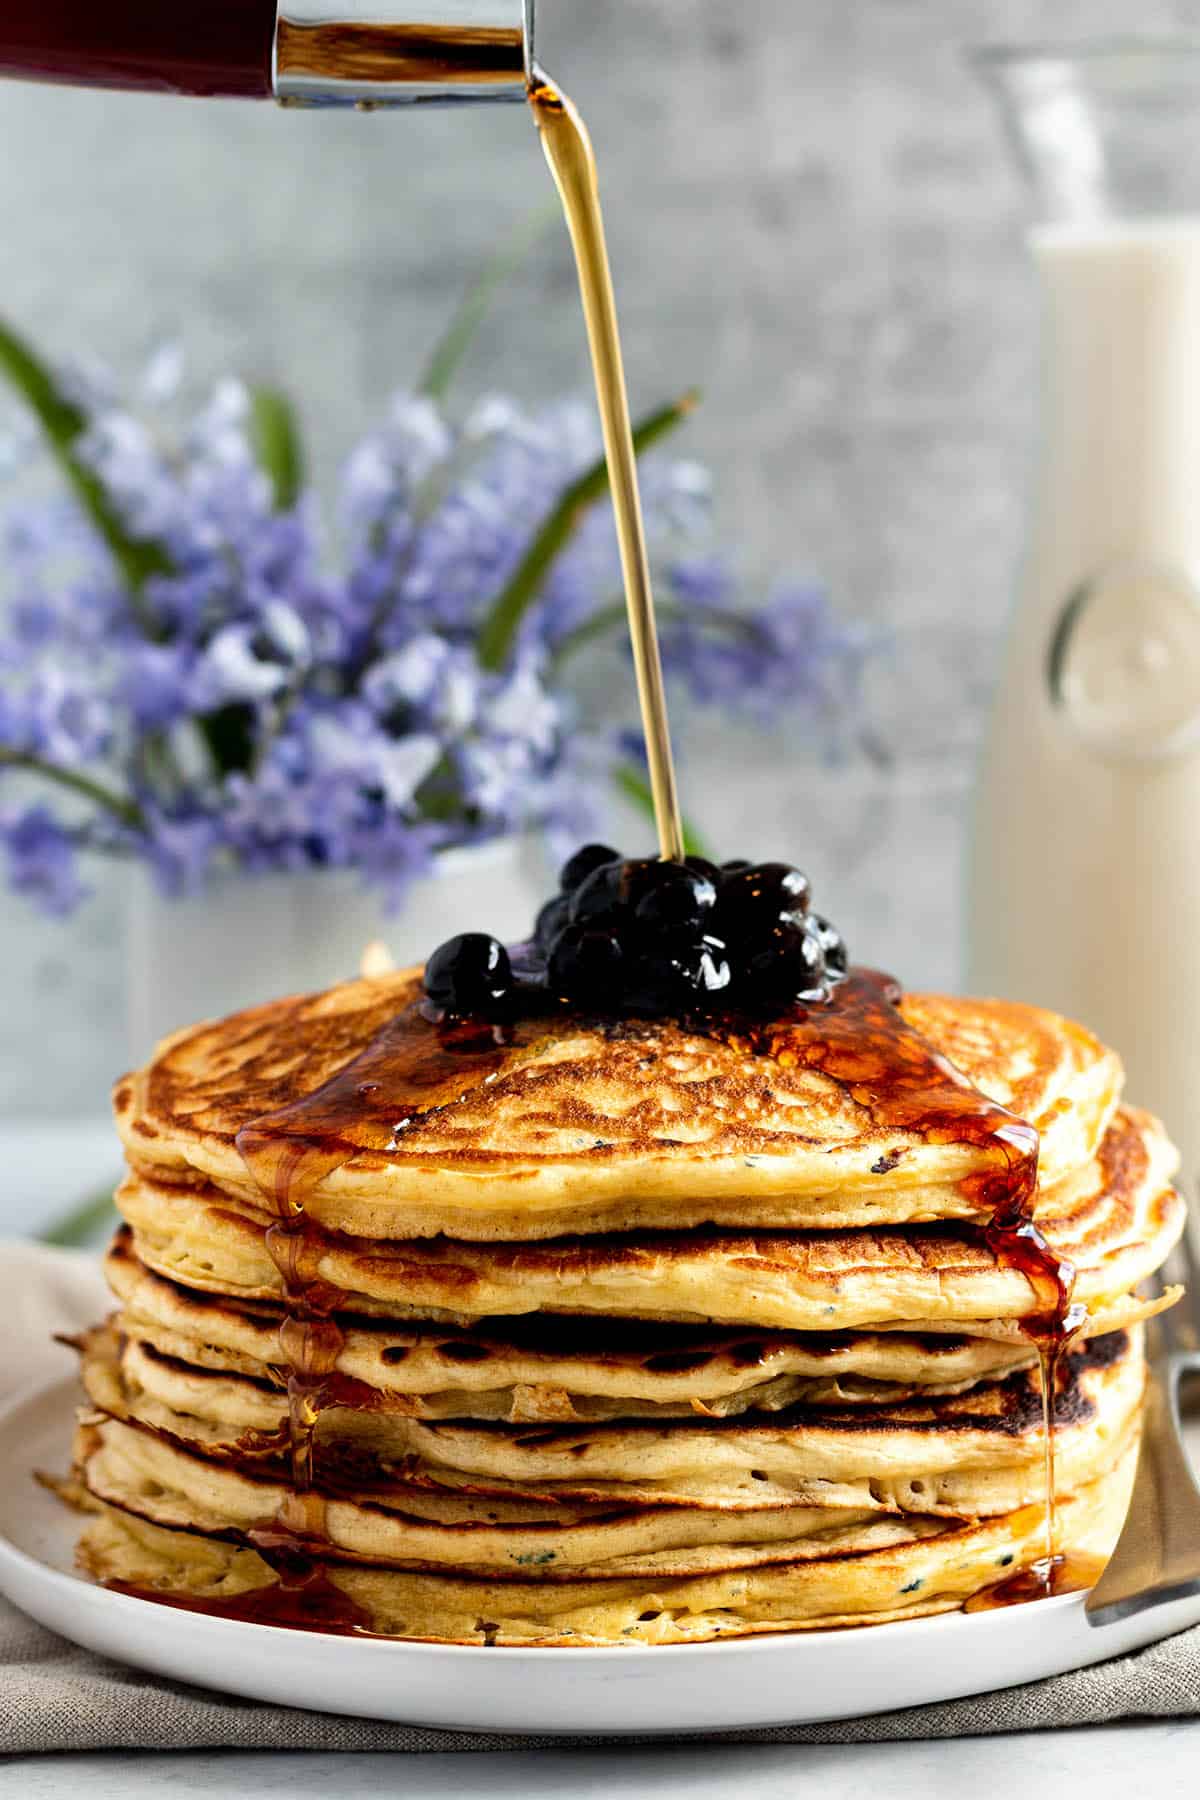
pixel 275 434
pixel 83 1224
pixel 634 785
pixel 76 782
pixel 63 424
pixel 500 628
pixel 472 311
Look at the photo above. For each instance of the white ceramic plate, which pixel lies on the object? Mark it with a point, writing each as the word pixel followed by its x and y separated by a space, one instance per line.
pixel 787 1679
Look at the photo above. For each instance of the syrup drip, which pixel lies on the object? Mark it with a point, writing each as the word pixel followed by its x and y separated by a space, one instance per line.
pixel 411 1067
pixel 860 1040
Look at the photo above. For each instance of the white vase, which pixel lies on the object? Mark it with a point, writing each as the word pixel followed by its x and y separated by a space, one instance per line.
pixel 248 938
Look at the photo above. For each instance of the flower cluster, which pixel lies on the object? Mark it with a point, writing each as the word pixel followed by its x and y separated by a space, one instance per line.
pixel 196 669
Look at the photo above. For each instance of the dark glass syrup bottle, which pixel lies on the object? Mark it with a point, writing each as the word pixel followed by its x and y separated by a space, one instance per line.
pixel 299 52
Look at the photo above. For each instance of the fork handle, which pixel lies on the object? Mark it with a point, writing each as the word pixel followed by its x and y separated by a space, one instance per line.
pixel 1158 1556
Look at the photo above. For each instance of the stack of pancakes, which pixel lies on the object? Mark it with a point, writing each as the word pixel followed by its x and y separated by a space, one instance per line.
pixel 633 1333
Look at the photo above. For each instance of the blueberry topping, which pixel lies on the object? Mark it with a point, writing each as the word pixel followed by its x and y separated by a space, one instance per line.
pixel 681 974
pixel 833 944
pixel 639 876
pixel 599 894
pixel 585 967
pixel 577 868
pixel 469 975
pixel 700 865
pixel 786 963
pixel 674 896
pixel 550 921
pixel 755 899
pixel 653 938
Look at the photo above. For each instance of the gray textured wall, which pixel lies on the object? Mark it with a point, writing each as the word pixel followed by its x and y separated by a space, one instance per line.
pixel 810 215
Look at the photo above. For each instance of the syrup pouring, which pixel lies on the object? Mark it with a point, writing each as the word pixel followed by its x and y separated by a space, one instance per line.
pixel 730 947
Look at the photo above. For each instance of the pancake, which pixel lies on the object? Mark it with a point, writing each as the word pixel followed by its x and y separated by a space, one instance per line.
pixel 417 1530
pixel 609 1126
pixel 929 1567
pixel 1116 1223
pixel 528 1369
pixel 972 1455
pixel 613 1330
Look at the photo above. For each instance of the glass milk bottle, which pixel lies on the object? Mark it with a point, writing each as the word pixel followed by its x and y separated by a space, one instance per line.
pixel 1085 866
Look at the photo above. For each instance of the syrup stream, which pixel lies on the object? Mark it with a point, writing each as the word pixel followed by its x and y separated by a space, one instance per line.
pixel 569 152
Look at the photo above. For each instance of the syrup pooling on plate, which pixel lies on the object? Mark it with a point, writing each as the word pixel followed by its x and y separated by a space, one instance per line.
pixel 1073 1573
pixel 302 1598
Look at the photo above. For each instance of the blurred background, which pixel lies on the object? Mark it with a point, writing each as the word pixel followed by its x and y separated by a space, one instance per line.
pixel 811 217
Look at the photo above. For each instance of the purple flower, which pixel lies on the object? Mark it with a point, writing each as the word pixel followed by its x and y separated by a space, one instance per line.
pixel 265 698
pixel 43 861
pixel 181 851
pixel 792 651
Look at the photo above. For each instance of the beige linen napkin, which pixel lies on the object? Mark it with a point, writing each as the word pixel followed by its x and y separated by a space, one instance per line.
pixel 58 1697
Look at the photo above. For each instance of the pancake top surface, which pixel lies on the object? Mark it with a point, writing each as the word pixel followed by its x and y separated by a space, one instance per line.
pixel 648 1121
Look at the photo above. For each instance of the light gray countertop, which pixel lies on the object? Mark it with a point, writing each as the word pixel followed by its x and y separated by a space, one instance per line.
pixel 1112 1760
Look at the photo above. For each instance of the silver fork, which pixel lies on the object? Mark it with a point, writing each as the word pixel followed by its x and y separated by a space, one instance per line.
pixel 1157 1557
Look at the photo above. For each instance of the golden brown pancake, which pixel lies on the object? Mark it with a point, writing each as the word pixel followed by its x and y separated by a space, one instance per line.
pixel 643 1332
pixel 530 1368
pixel 598 1127
pixel 1116 1224
pixel 970 1455
pixel 930 1566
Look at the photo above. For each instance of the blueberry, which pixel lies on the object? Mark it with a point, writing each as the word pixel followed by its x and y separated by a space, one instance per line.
pixel 700 865
pixel 670 896
pixel 781 964
pixel 712 971
pixel 550 921
pixel 599 894
pixel 681 974
pixel 736 865
pixel 753 899
pixel 585 966
pixel 469 974
pixel 577 868
pixel 638 876
pixel 837 957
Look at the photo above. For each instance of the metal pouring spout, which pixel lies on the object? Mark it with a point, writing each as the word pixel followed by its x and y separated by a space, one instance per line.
pixel 373 53
pixel 363 53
